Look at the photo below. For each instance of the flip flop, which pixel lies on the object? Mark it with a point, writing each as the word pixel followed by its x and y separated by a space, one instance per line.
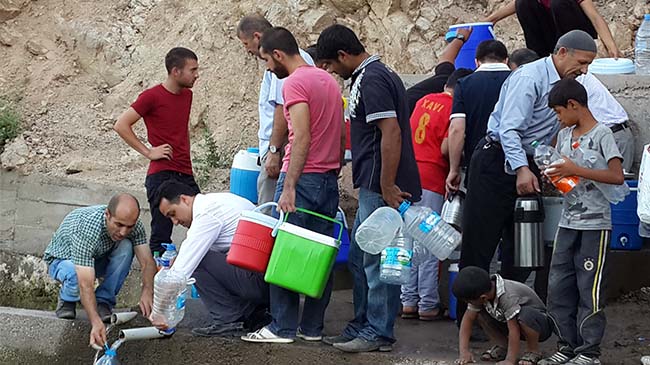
pixel 264 335
pixel 532 358
pixel 495 353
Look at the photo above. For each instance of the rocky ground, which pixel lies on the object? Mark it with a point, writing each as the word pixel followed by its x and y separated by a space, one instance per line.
pixel 70 67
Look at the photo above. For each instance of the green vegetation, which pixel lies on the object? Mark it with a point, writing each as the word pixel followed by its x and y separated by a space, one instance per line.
pixel 210 158
pixel 9 123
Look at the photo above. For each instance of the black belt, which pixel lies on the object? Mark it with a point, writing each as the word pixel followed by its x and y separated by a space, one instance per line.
pixel 619 127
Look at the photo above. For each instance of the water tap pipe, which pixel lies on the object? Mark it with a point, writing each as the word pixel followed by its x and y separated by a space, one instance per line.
pixel 145 333
pixel 122 317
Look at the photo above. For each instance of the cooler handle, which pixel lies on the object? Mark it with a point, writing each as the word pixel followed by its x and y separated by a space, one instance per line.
pixel 270 204
pixel 345 219
pixel 275 230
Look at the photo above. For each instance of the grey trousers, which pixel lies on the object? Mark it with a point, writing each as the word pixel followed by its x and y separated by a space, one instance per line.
pixel 265 184
pixel 625 143
pixel 229 293
pixel 576 295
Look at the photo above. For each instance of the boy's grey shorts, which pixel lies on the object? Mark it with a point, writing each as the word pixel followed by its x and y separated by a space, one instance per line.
pixel 536 319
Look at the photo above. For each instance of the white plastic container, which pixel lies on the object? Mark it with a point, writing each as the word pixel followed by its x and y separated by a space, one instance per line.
pixel 244 173
pixel 395 267
pixel 169 295
pixel 427 227
pixel 642 48
pixel 378 230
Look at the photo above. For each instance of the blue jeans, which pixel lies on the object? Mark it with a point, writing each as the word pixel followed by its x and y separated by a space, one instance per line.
pixel 113 267
pixel 376 304
pixel 319 193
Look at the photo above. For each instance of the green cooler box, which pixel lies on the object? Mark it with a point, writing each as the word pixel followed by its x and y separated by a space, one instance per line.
pixel 302 260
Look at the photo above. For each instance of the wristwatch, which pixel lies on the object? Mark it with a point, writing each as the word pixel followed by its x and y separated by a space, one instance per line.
pixel 273 149
pixel 460 37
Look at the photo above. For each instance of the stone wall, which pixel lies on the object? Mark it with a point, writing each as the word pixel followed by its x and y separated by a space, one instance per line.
pixel 31 209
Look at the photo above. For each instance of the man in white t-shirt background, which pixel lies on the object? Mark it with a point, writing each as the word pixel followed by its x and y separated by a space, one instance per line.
pixel 273 131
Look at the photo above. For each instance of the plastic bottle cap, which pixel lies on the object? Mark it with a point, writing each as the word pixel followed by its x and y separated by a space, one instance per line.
pixel 646 17
pixel 110 353
pixel 169 246
pixel 404 206
pixel 535 143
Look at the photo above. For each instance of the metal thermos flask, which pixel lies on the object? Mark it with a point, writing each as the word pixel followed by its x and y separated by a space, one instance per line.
pixel 529 242
pixel 452 210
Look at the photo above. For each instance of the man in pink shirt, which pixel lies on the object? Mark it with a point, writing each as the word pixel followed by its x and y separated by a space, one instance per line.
pixel 314 110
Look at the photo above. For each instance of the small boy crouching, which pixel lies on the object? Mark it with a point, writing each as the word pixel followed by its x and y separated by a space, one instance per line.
pixel 508 311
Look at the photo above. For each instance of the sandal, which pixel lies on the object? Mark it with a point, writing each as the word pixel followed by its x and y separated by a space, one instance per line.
pixel 432 315
pixel 495 353
pixel 264 335
pixel 409 312
pixel 530 358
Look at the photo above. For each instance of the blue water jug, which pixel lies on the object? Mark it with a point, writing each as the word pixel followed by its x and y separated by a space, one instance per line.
pixel 480 32
pixel 244 173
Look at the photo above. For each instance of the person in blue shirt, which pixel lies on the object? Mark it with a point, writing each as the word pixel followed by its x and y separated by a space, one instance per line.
pixel 501 167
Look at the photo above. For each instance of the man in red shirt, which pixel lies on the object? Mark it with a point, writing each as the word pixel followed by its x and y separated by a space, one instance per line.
pixel 429 125
pixel 313 109
pixel 165 109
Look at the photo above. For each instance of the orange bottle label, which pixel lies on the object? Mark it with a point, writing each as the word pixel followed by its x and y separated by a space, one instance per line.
pixel 566 184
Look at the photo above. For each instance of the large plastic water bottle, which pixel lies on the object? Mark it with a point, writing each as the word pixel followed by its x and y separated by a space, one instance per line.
pixel 378 230
pixel 170 254
pixel 395 267
pixel 109 358
pixel 642 48
pixel 546 156
pixel 169 295
pixel 591 159
pixel 425 226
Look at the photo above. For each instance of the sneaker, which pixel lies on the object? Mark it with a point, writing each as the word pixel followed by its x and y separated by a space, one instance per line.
pixel 220 330
pixel 361 345
pixel 264 335
pixel 66 310
pixel 583 360
pixel 331 340
pixel 557 358
pixel 105 312
pixel 304 337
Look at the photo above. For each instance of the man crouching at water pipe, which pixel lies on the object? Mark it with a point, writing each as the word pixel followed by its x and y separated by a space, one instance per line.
pixel 237 299
pixel 99 242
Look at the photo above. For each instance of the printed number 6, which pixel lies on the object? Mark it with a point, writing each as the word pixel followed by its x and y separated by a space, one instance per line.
pixel 420 132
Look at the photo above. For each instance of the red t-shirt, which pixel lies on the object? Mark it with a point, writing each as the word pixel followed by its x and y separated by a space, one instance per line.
pixel 322 94
pixel 166 116
pixel 429 125
pixel 547 3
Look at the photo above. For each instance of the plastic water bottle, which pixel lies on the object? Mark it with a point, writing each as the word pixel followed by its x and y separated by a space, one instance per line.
pixel 425 226
pixel 170 254
pixel 109 358
pixel 169 295
pixel 547 156
pixel 591 159
pixel 378 230
pixel 395 267
pixel 642 48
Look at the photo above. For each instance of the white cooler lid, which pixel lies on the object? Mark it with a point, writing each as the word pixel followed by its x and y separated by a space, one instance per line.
pixel 259 218
pixel 310 235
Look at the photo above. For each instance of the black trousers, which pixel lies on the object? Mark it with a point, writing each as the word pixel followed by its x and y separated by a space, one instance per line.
pixel 161 226
pixel 488 214
pixel 542 28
